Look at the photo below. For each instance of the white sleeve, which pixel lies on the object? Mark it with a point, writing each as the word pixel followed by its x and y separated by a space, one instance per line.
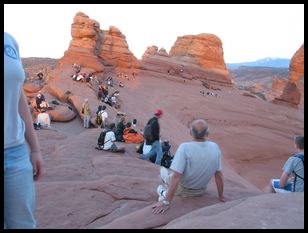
pixel 112 137
pixel 179 161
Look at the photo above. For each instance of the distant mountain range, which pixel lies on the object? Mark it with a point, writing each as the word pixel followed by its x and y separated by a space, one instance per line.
pixel 265 62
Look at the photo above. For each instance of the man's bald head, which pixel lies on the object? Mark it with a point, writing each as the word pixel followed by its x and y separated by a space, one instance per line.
pixel 199 129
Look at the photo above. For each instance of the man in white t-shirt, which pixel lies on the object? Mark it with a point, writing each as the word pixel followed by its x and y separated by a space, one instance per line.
pixel 104 115
pixel 109 142
pixel 43 119
pixel 193 166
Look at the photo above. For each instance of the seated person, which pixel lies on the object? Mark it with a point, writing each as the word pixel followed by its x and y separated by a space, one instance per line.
pixel 43 119
pixel 105 90
pixel 109 142
pixel 120 129
pixel 80 77
pixel 292 177
pixel 39 99
pixel 131 136
pixel 134 123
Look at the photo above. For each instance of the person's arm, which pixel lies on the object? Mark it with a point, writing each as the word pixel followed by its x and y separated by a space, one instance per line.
pixel 220 185
pixel 161 207
pixel 283 179
pixel 35 154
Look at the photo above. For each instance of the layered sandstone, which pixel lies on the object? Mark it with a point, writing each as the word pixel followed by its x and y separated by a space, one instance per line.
pixel 297 65
pixel 292 93
pixel 93 48
pixel 115 51
pixel 191 57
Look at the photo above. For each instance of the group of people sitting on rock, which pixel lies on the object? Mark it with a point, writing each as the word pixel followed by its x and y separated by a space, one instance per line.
pixel 83 77
pixel 42 118
pixel 195 163
pixel 209 93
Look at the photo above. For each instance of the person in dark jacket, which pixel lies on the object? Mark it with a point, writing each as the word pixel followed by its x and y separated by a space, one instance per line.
pixel 120 129
pixel 155 139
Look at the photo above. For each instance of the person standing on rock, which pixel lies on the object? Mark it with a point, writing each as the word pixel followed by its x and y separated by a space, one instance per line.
pixel 21 166
pixel 193 166
pixel 151 135
pixel 86 113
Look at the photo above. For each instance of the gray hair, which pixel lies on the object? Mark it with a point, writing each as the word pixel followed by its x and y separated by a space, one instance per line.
pixel 199 129
pixel 299 141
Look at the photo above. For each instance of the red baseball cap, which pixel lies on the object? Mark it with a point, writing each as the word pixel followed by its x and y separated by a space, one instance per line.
pixel 158 113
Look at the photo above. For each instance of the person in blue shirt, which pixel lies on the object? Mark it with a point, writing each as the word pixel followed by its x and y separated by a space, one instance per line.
pixel 21 166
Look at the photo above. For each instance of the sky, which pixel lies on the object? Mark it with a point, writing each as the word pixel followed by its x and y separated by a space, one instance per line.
pixel 248 31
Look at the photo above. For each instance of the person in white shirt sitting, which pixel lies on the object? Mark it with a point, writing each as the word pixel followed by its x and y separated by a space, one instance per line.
pixel 109 142
pixel 43 119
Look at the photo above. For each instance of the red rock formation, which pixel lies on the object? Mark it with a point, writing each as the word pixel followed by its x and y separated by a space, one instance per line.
pixel 203 49
pixel 93 48
pixel 163 52
pixel 115 51
pixel 199 57
pixel 62 114
pixel 151 50
pixel 85 44
pixel 297 65
pixel 291 93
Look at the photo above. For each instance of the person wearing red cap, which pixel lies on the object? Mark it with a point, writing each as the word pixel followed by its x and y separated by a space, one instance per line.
pixel 151 135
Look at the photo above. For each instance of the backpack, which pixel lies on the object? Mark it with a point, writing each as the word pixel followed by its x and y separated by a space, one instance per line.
pixel 167 157
pixel 99 119
pixel 101 138
pixel 300 156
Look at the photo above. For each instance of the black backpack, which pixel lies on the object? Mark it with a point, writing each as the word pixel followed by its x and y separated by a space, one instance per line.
pixel 167 157
pixel 300 156
pixel 101 138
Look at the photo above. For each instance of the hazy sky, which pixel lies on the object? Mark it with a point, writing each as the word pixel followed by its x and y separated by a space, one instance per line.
pixel 248 32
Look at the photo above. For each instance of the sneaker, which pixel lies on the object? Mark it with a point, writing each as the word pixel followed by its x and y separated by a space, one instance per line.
pixel 161 191
pixel 98 148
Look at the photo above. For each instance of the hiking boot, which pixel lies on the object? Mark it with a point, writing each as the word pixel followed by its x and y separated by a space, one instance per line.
pixel 162 192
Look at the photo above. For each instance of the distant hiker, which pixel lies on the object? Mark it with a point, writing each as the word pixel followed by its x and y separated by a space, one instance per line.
pixel 105 91
pixel 294 167
pixel 76 67
pixel 43 119
pixel 121 84
pixel 120 129
pixel 193 166
pixel 40 75
pixel 118 117
pixel 39 99
pixel 151 135
pixel 85 110
pixel 110 81
pixel 104 117
pixel 109 143
pixel 134 123
pixel 99 119
pixel 40 102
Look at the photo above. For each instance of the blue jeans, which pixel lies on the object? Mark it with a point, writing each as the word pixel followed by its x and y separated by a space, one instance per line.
pixel 19 190
pixel 86 121
pixel 156 150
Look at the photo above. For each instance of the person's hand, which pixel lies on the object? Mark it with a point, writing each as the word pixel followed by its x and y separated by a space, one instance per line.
pixel 160 207
pixel 37 163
